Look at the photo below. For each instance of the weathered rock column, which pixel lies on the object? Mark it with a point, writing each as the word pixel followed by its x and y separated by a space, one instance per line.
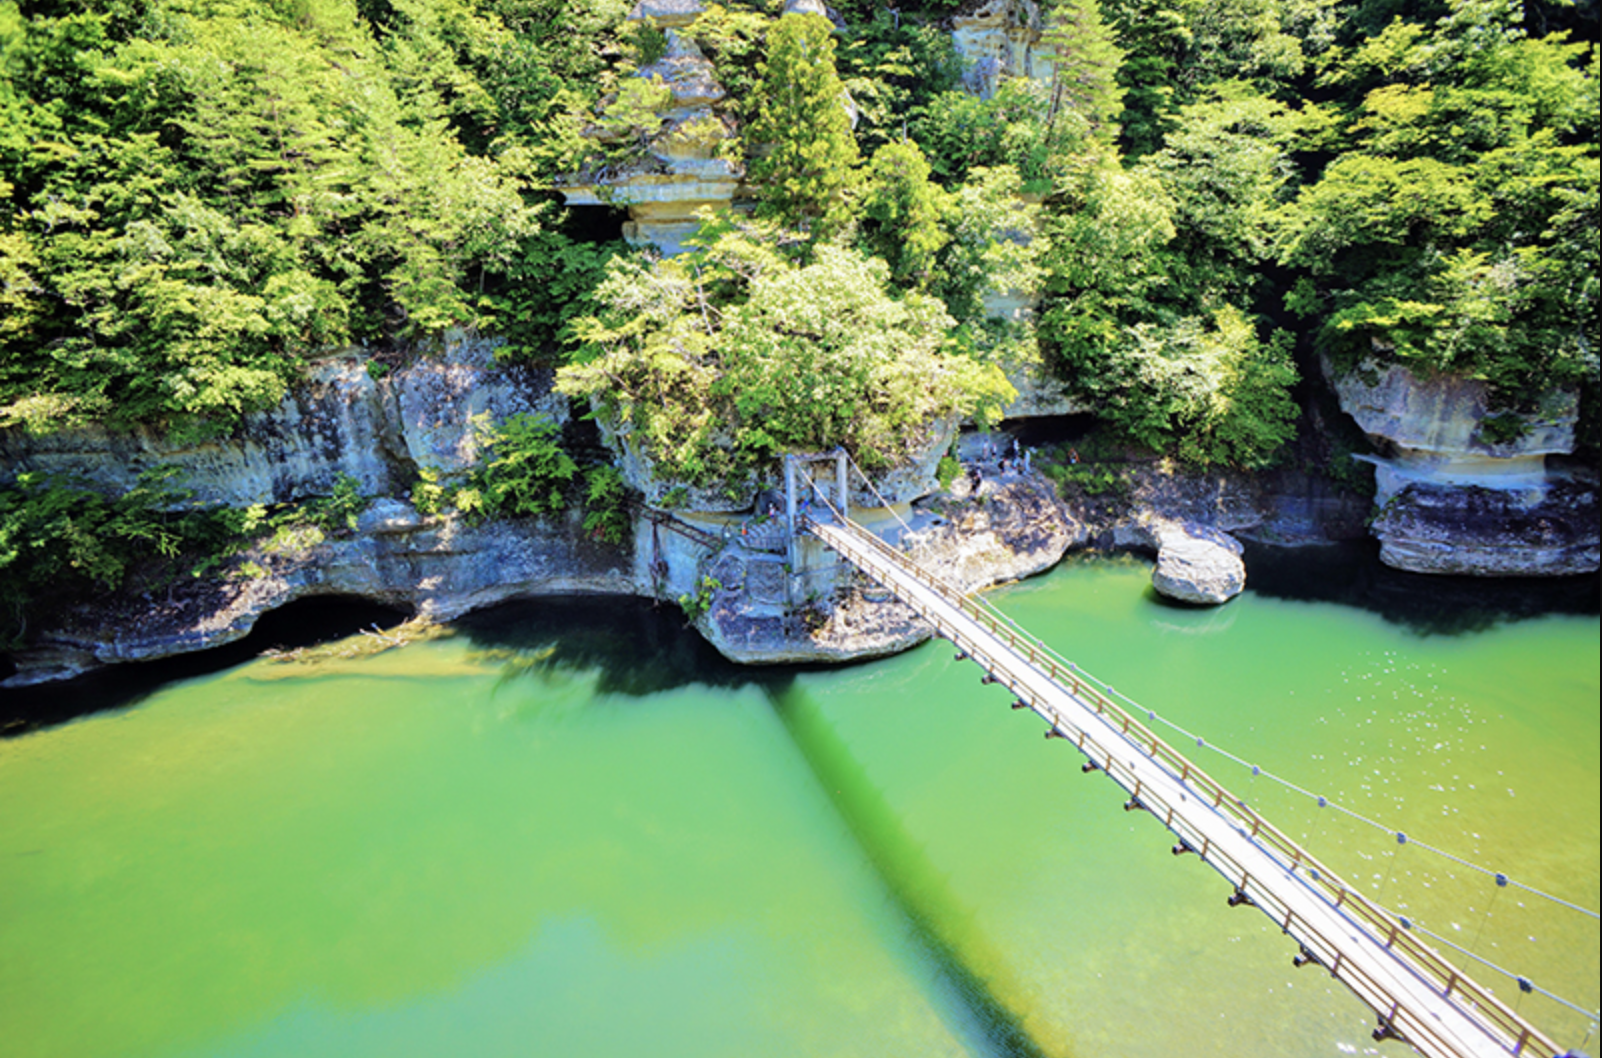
pixel 682 171
pixel 1452 499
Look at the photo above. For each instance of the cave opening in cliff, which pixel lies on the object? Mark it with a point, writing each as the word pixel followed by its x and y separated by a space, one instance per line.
pixel 595 224
pixel 1046 430
pixel 296 625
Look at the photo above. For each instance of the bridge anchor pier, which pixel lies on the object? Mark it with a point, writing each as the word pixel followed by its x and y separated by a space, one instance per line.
pixel 1387 1031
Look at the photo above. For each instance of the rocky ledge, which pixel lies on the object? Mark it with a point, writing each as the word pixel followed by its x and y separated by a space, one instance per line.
pixel 1548 529
pixel 1457 497
pixel 439 568
pixel 1006 531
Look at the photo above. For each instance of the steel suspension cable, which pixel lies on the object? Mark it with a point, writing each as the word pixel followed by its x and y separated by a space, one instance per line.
pixel 1525 984
pixel 1256 770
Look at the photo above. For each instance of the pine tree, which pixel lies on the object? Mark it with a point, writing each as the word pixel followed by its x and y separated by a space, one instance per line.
pixel 802 130
pixel 901 212
pixel 1085 60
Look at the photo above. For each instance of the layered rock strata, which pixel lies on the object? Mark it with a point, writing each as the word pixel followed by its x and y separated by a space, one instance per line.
pixel 1000 39
pixel 1455 497
pixel 682 168
pixel 439 567
pixel 341 420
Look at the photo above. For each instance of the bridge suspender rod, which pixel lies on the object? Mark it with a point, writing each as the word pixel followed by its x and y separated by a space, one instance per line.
pixel 1407 983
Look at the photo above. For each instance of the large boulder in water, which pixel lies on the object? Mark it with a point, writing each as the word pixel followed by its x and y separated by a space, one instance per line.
pixel 1198 565
pixel 1195 563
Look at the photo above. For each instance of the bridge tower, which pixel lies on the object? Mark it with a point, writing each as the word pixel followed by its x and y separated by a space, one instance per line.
pixel 807 479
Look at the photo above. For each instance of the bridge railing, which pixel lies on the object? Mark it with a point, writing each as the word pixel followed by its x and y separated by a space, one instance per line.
pixel 1452 983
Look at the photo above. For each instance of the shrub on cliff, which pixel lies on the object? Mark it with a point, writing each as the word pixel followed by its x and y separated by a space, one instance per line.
pixel 717 361
pixel 526 472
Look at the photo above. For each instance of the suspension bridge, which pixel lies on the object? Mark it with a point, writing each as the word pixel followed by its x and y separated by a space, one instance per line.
pixel 1417 995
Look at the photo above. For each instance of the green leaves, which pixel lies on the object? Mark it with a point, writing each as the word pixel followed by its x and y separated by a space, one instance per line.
pixel 212 196
pixel 714 362
pixel 527 472
pixel 805 152
pixel 1212 395
pixel 1448 234
pixel 901 213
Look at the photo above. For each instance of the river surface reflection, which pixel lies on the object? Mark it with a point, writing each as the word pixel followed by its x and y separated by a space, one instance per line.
pixel 570 829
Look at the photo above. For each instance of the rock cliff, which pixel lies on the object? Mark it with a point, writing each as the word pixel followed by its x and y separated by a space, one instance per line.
pixel 439 568
pixel 1457 497
pixel 683 167
pixel 1000 39
pixel 341 420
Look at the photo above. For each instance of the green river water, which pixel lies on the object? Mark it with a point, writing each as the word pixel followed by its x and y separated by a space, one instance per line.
pixel 568 830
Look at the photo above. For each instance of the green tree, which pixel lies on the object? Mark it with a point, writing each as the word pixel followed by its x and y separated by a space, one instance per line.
pixel 801 136
pixel 997 242
pixel 204 198
pixel 1457 230
pixel 714 362
pixel 1225 167
pixel 527 471
pixel 1084 68
pixel 901 213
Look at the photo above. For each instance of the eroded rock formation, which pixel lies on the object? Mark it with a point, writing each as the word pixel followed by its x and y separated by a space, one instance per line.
pixel 1000 39
pixel 341 420
pixel 683 167
pixel 440 567
pixel 1453 497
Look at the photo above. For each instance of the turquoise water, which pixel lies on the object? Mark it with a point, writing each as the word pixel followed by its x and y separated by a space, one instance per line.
pixel 569 830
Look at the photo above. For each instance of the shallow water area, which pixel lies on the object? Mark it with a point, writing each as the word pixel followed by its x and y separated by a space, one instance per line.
pixel 569 828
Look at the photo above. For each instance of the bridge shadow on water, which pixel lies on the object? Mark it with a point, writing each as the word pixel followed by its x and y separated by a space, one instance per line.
pixel 637 650
pixel 1351 574
pixel 971 983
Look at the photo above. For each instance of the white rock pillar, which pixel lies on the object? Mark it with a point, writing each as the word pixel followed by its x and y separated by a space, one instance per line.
pixel 683 170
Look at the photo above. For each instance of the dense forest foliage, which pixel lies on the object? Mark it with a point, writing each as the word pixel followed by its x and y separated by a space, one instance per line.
pixel 199 196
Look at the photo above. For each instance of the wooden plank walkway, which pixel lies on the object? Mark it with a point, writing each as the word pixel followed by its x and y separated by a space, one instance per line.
pixel 1417 995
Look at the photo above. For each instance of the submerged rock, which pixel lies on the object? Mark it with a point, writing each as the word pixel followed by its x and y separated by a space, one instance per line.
pixel 1195 563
